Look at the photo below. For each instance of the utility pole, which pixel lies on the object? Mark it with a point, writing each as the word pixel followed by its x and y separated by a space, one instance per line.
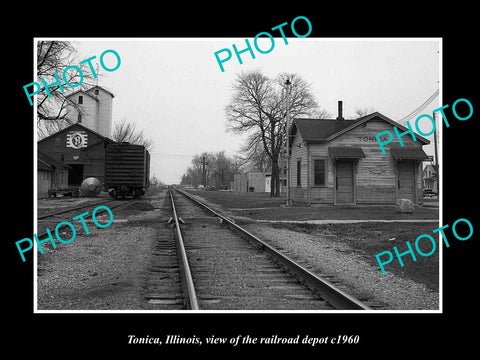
pixel 435 166
pixel 204 172
pixel 287 86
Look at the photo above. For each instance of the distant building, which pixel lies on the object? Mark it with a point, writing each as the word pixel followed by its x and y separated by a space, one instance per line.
pixel 249 182
pixel 338 161
pixel 94 109
pixel 430 178
pixel 283 181
pixel 255 182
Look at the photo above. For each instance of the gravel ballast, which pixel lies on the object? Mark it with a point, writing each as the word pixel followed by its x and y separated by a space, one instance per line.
pixel 109 268
pixel 354 275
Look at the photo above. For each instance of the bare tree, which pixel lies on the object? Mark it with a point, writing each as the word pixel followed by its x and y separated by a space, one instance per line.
pixel 223 170
pixel 211 169
pixel 199 172
pixel 124 131
pixel 322 114
pixel 53 57
pixel 360 112
pixel 255 158
pixel 258 107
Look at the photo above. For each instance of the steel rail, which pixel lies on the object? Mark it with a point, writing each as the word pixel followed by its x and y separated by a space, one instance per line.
pixel 187 281
pixel 43 235
pixel 336 297
pixel 70 209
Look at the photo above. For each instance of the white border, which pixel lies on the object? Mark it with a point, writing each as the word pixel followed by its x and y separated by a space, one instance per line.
pixel 187 312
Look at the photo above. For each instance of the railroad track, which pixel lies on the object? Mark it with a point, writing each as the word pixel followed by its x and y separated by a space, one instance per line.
pixel 219 270
pixel 50 219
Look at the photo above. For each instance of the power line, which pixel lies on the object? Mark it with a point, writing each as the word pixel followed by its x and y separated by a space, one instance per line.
pixel 420 108
pixel 153 153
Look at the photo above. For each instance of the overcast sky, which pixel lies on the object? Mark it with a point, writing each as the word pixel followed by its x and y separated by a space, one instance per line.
pixel 174 89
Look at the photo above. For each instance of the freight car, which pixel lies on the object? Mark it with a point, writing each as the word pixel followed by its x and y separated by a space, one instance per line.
pixel 127 169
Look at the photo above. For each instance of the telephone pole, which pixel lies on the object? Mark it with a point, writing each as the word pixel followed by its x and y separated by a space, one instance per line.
pixel 287 87
pixel 204 172
pixel 435 166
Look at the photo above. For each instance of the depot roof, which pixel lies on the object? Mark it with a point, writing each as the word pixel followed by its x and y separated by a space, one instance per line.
pixel 346 152
pixel 324 130
pixel 408 153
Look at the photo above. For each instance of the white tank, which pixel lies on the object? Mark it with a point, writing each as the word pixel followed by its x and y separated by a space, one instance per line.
pixel 91 187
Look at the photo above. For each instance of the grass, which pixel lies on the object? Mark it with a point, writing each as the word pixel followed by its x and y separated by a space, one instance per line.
pixel 251 200
pixel 262 206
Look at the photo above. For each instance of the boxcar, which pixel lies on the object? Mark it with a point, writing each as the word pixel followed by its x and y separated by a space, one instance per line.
pixel 127 169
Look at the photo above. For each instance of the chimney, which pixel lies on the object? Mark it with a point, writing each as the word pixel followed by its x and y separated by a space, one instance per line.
pixel 340 110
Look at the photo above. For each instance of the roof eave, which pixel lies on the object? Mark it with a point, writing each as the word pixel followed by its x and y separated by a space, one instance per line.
pixel 366 118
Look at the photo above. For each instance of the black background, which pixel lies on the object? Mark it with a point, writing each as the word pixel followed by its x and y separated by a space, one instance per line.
pixel 382 335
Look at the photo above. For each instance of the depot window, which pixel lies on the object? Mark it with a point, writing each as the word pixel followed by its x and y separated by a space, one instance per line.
pixel 319 172
pixel 299 172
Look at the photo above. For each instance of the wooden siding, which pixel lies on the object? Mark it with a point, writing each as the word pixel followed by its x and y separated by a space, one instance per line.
pixel 92 157
pixel 299 151
pixel 375 175
pixel 44 182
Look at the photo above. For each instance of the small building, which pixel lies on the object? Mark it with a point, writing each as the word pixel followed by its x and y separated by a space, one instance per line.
pixel 256 182
pixel 80 149
pixel 51 174
pixel 283 181
pixel 338 161
pixel 249 182
pixel 430 178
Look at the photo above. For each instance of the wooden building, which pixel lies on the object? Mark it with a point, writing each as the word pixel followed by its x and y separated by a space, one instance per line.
pixel 338 161
pixel 81 149
pixel 430 178
pixel 51 174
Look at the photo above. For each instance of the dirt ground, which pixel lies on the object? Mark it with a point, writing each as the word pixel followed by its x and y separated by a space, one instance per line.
pixel 349 269
pixel 363 240
pixel 53 204
pixel 369 239
pixel 108 269
pixel 104 270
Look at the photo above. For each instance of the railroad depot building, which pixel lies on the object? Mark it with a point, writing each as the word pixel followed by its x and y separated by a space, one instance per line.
pixel 339 162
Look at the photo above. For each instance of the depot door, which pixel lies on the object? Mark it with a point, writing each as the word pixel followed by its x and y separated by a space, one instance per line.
pixel 406 180
pixel 344 182
pixel 75 174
